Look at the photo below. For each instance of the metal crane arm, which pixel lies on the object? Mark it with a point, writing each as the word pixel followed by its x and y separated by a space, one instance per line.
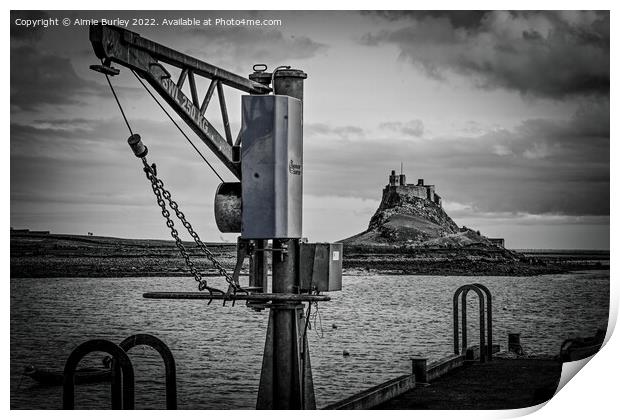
pixel 145 57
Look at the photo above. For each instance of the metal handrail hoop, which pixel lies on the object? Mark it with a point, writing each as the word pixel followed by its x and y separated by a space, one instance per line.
pixel 485 349
pixel 489 306
pixel 124 367
pixel 169 363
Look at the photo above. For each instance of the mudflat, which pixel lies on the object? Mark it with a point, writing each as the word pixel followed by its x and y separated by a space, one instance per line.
pixel 35 255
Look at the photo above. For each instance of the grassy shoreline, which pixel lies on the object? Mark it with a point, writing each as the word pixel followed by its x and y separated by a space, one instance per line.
pixel 38 255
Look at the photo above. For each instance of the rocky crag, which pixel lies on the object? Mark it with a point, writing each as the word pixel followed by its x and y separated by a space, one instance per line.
pixel 410 233
pixel 404 219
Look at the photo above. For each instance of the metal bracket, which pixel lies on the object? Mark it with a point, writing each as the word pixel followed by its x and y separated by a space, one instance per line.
pixel 105 69
pixel 147 59
pixel 282 251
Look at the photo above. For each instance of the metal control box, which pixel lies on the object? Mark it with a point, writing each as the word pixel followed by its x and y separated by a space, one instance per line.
pixel 271 167
pixel 320 267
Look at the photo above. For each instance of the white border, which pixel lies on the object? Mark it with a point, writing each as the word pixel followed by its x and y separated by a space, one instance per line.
pixel 592 394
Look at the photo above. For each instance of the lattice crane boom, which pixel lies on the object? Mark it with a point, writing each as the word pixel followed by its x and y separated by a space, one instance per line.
pixel 147 58
pixel 264 207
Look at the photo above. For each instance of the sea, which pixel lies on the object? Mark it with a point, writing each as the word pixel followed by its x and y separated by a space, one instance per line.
pixel 365 335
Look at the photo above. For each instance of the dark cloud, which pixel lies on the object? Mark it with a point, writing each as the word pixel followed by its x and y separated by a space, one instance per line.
pixel 544 54
pixel 79 175
pixel 458 18
pixel 21 32
pixel 254 45
pixel 414 128
pixel 91 141
pixel 64 160
pixel 40 79
pixel 585 136
pixel 66 141
pixel 540 167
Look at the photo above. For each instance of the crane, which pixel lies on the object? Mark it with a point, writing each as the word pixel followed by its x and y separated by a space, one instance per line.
pixel 264 205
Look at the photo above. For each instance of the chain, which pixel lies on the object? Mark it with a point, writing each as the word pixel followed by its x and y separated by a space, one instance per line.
pixel 161 194
pixel 202 284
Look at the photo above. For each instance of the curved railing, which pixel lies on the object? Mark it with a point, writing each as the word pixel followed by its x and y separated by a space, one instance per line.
pixel 489 306
pixel 486 349
pixel 122 378
pixel 124 367
pixel 166 355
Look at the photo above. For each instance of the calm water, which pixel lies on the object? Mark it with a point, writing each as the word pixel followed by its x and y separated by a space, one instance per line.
pixel 380 320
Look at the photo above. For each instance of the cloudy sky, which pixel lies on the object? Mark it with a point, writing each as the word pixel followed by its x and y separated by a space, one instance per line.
pixel 507 113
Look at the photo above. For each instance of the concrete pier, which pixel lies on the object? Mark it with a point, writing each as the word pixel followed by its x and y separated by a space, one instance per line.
pixel 499 384
pixel 464 381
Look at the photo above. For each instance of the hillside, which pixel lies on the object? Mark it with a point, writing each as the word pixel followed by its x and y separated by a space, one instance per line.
pixel 410 233
pixel 51 255
pixel 404 219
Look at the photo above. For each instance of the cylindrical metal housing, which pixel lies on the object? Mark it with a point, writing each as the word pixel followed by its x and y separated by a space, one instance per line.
pixel 290 82
pixel 514 343
pixel 227 207
pixel 284 266
pixel 286 81
pixel 261 76
pixel 418 368
pixel 135 142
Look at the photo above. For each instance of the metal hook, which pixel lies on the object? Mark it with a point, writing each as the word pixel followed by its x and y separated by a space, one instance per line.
pixel 273 76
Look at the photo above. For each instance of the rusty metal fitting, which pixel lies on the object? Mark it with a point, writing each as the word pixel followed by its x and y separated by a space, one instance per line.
pixel 227 207
pixel 273 75
pixel 288 81
pixel 260 75
pixel 139 149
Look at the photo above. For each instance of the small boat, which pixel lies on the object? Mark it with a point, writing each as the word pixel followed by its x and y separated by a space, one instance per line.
pixel 87 375
pixel 581 348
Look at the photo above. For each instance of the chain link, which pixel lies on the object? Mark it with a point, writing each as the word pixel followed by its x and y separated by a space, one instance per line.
pixel 161 194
